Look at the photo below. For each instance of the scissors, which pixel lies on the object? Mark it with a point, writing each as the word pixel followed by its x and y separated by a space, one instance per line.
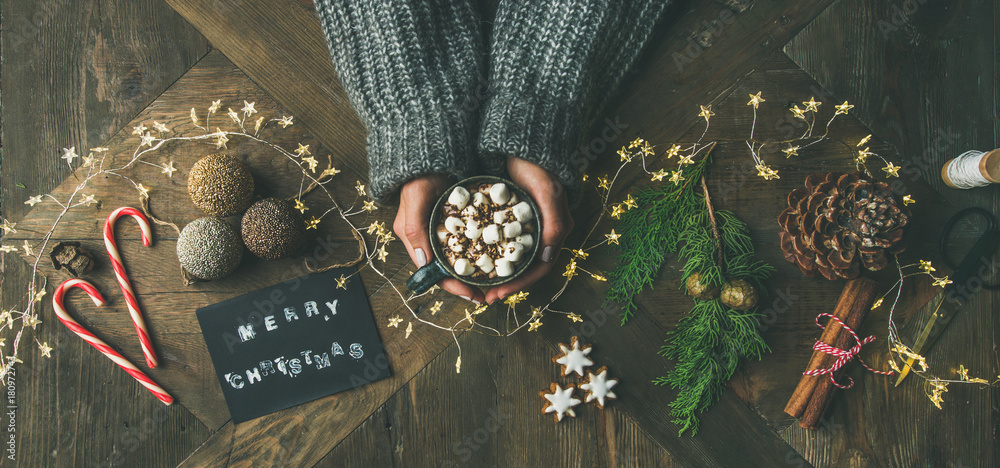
pixel 951 299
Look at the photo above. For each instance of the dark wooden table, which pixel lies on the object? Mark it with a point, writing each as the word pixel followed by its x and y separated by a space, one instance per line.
pixel 923 78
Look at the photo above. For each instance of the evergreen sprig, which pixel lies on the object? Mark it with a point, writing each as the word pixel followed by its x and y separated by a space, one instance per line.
pixel 711 341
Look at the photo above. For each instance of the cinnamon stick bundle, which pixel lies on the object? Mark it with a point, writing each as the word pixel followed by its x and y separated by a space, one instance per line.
pixel 813 393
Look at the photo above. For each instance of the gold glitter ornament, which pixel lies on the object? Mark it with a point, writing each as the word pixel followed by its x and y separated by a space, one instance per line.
pixel 700 290
pixel 273 229
pixel 739 294
pixel 220 185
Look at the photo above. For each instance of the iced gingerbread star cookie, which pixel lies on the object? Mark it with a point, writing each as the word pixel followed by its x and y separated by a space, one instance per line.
pixel 574 357
pixel 598 387
pixel 559 401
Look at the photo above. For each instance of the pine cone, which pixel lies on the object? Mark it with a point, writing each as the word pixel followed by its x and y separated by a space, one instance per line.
pixel 839 222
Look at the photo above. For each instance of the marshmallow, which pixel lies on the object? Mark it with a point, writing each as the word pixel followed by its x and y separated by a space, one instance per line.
pixel 499 194
pixel 491 234
pixel 522 212
pixel 500 217
pixel 473 230
pixel 526 240
pixel 455 245
pixel 463 267
pixel 478 198
pixel 454 225
pixel 442 234
pixel 504 267
pixel 459 197
pixel 469 212
pixel 513 199
pixel 512 229
pixel 513 251
pixel 485 263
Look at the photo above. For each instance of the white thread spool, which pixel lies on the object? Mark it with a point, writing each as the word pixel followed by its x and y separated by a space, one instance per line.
pixel 972 169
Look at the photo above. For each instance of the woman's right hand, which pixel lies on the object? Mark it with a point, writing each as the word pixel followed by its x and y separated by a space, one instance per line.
pixel 416 200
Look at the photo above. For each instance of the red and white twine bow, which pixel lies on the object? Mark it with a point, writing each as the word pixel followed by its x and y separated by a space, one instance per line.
pixel 843 356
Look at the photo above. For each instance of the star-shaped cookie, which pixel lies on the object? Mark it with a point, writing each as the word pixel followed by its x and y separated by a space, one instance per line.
pixel 559 401
pixel 574 357
pixel 598 387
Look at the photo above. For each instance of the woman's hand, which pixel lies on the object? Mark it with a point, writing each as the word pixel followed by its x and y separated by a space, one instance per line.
pixel 550 196
pixel 416 200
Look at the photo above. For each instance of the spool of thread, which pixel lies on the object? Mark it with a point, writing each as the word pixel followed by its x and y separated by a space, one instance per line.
pixel 972 169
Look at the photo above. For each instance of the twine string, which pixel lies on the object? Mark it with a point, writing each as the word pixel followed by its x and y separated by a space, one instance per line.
pixel 843 355
pixel 964 172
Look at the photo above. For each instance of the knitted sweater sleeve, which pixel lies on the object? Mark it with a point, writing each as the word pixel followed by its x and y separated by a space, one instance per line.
pixel 553 65
pixel 410 69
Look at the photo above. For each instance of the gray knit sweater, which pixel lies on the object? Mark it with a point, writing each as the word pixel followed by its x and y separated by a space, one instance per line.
pixel 435 100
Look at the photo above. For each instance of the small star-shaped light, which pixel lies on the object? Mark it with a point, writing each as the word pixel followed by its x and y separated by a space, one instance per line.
pixel 215 106
pixel 436 307
pixel 311 162
pixel 160 127
pixel 891 170
pixel 575 317
pixel 147 140
pixel 88 200
pixel 706 112
pixel 625 155
pixel 8 248
pixel 673 151
pixel 766 172
pixel 395 321
pixel 755 100
pixel 143 191
pixel 515 299
pixel 369 206
pixel 139 129
pixel 360 188
pixel 791 151
pixel 613 237
pixel 647 149
pixel 285 121
pixel 27 248
pixel 312 223
pixel 330 171
pixel 604 183
pixel 7 226
pixel 658 176
pixel 636 143
pixel 302 150
pixel 169 169
pixel 797 112
pixel 843 108
pixel 908 199
pixel 39 295
pixel 877 303
pixel 376 228
pixel 194 117
pixel 536 312
pixel 409 329
pixel 676 177
pixel 300 206
pixel 863 155
pixel 257 124
pixel 616 211
pixel 943 281
pixel 100 149
pixel 598 277
pixel 69 154
pixel 570 270
pixel 221 139
pixel 31 321
pixel 534 324
pixel 812 105
pixel 926 266
pixel 34 200
pixel 580 253
pixel 584 178
pixel 864 140
pixel 342 282
pixel 630 202
pixel 382 253
pixel 45 349
pixel 248 108
pixel 89 161
pixel 233 115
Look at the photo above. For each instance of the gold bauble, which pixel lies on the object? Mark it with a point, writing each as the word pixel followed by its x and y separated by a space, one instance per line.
pixel 699 289
pixel 739 294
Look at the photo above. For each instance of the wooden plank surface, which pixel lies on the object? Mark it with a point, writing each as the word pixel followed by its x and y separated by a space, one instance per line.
pixel 73 73
pixel 925 78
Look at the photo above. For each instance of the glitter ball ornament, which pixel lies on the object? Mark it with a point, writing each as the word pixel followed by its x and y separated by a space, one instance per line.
pixel 699 289
pixel 209 248
pixel 273 228
pixel 220 185
pixel 739 294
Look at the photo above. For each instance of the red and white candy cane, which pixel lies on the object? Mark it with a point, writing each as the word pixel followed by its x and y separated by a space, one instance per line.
pixel 57 304
pixel 123 281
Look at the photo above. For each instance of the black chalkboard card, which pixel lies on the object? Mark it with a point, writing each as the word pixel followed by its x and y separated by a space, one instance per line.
pixel 293 342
